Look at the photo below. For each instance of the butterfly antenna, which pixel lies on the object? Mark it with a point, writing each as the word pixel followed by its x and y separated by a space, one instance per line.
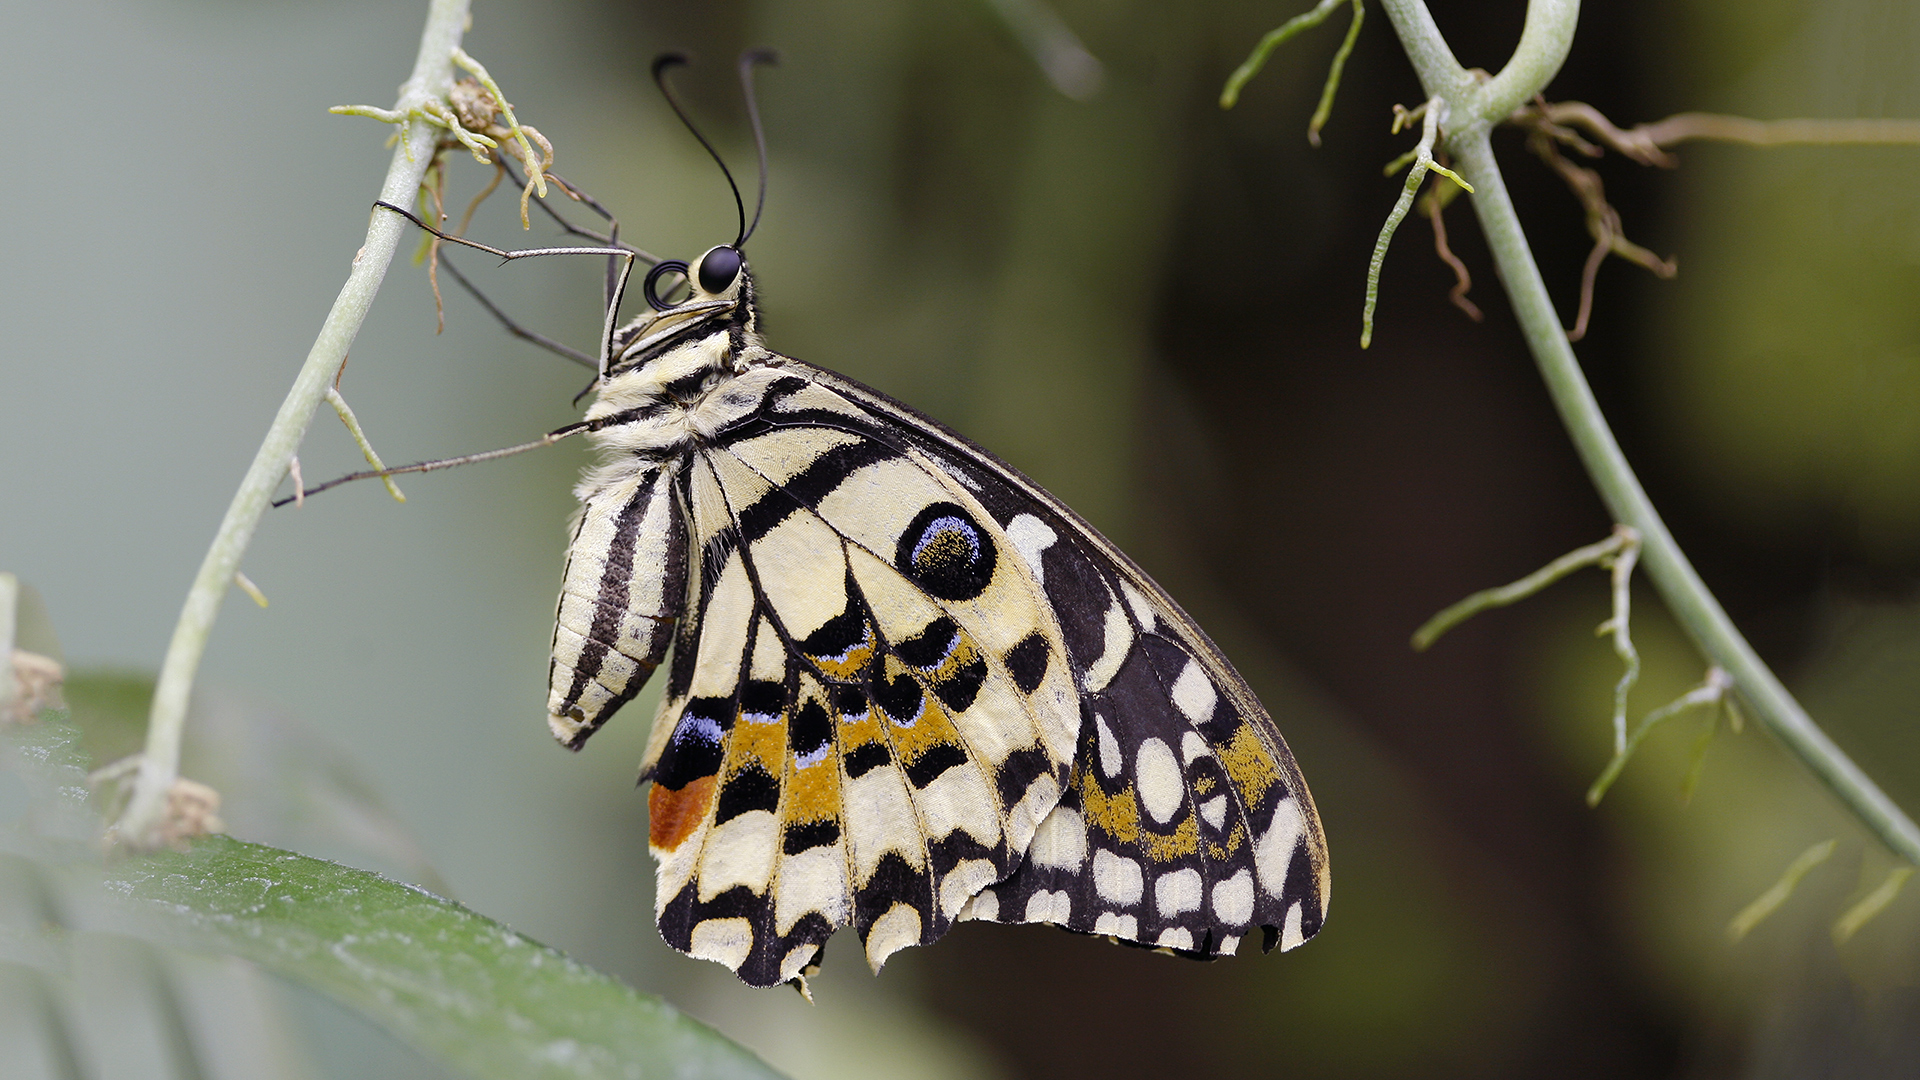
pixel 660 66
pixel 748 60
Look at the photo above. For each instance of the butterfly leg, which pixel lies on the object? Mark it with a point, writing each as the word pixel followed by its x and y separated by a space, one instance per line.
pixel 620 267
pixel 436 464
pixel 504 254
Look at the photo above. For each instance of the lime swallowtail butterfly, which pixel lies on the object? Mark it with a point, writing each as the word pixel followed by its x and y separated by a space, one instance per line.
pixel 905 686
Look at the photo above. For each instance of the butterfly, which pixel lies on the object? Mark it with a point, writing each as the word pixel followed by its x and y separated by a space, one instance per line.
pixel 905 686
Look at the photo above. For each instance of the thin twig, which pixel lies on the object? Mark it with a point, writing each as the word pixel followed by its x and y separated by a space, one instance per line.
pixel 1646 143
pixel 1257 59
pixel 1454 615
pixel 1431 113
pixel 515 133
pixel 1325 108
pixel 144 824
pixel 245 584
pixel 1619 626
pixel 1768 902
pixel 1434 205
pixel 360 437
pixel 1870 905
pixel 1603 220
pixel 1711 691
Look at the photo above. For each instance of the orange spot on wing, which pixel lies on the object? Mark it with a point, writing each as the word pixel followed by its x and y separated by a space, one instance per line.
pixel 675 814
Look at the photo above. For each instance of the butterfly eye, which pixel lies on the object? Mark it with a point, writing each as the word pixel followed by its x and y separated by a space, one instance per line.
pixel 718 268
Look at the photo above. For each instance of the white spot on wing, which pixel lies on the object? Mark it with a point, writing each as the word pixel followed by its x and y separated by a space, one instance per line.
pixel 814 880
pixel 1117 879
pixel 1053 907
pixel 1177 892
pixel 1290 934
pixel 1176 937
pixel 1061 840
pixel 897 929
pixel 1194 694
pixel 1193 746
pixel 726 941
pixel 1157 775
pixel 962 882
pixel 1041 797
pixel 1110 760
pixel 1118 925
pixel 960 798
pixel 1142 609
pixel 1031 537
pixel 1233 900
pixel 739 852
pixel 879 818
pixel 1116 638
pixel 797 960
pixel 1215 811
pixel 1273 853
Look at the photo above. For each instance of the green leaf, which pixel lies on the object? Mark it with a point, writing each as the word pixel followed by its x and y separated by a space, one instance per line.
pixel 459 987
pixel 455 984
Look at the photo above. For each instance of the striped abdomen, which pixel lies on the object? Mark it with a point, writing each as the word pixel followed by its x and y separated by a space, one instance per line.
pixel 624 588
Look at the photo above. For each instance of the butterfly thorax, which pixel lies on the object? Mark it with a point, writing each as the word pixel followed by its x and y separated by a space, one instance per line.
pixel 666 388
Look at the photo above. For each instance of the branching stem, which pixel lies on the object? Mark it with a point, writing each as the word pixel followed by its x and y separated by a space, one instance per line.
pixel 1475 106
pixel 1711 691
pixel 1431 114
pixel 1591 555
pixel 360 437
pixel 141 824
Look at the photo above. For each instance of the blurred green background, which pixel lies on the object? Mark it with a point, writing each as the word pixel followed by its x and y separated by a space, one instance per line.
pixel 1150 305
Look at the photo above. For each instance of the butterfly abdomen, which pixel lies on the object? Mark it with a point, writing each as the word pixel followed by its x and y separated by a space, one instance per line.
pixel 624 588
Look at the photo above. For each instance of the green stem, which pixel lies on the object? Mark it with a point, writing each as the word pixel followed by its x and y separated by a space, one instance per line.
pixel 432 78
pixel 1475 107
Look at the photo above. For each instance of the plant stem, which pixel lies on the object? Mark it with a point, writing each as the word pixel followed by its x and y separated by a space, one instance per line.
pixel 432 78
pixel 1475 107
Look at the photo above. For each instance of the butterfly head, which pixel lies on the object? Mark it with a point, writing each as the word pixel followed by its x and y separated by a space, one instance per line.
pixel 716 315
pixel 708 306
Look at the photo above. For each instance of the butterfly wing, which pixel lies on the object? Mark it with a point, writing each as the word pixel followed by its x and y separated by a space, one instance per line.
pixel 869 711
pixel 910 687
pixel 1186 822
